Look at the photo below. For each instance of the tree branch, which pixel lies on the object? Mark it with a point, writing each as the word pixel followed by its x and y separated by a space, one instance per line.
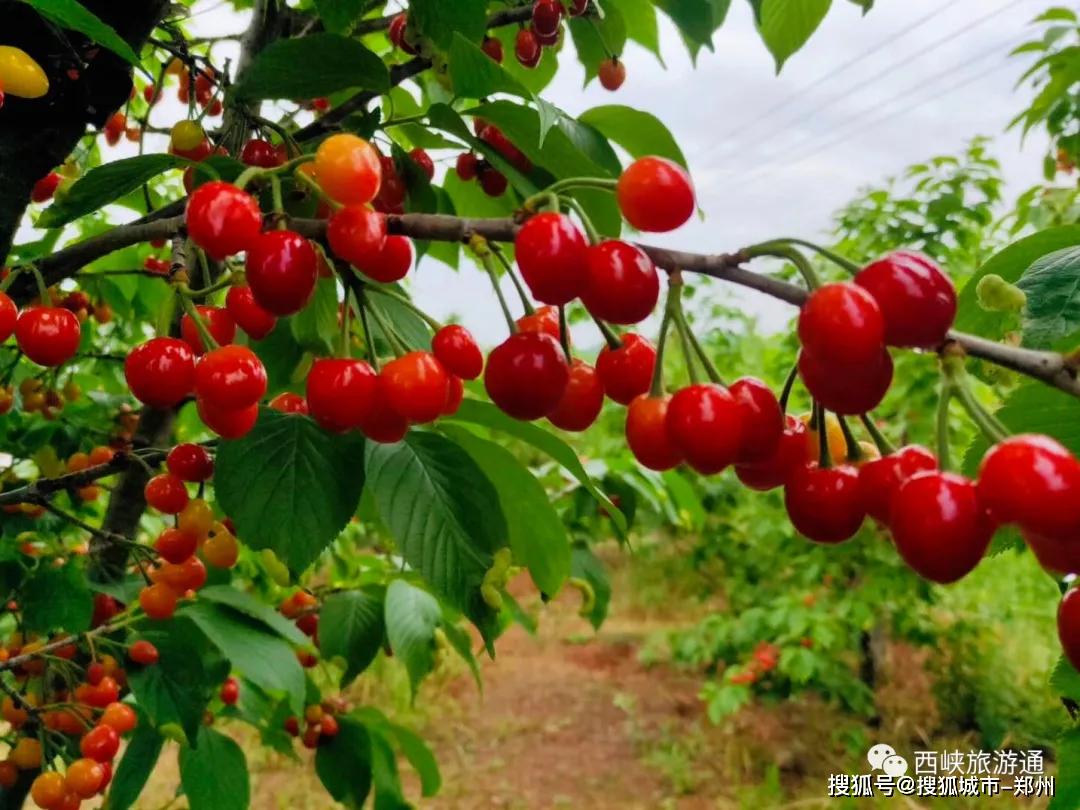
pixel 43 488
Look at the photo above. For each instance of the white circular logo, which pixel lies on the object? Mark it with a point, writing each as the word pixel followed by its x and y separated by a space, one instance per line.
pixel 894 766
pixel 878 754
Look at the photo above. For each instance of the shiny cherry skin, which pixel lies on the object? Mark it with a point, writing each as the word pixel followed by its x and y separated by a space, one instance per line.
pixel 161 372
pixel 792 453
pixel 381 423
pixel 454 396
pixel 357 234
pixel 457 350
pixel 581 401
pixel 396 33
pixel 222 219
pixel 282 270
pixel 175 546
pixel 546 16
pixel 288 402
pixel 422 159
pixel 1068 623
pixel 612 74
pixel 626 372
pixel 842 324
pixel 467 165
pixel 190 462
pixel 526 375
pixel 762 421
pixel 1058 555
pixel 1034 481
pixel 939 525
pixel 706 423
pixel 348 169
pixel 647 433
pixel 230 378
pixel 101 743
pixel 340 393
pixel 9 314
pixel 260 152
pixel 823 503
pixel 622 285
pixel 917 299
pixel 248 314
pixel 544 320
pixel 527 48
pixel 655 194
pixel 553 256
pixel 166 493
pixel 392 263
pixel 227 423
pixel 218 322
pixel 847 390
pixel 416 386
pixel 493 48
pixel 48 335
pixel 881 478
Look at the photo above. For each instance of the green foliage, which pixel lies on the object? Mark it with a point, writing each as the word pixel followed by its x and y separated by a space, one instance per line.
pixel 1052 285
pixel 786 25
pixel 214 773
pixel 76 17
pixel 351 626
pixel 412 616
pixel 331 63
pixel 56 599
pixel 136 766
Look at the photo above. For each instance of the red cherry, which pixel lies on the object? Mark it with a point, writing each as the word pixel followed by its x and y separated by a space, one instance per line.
pixel 166 493
pixel 706 423
pixel 160 372
pixel 246 313
pixel 1068 622
pixel 1058 555
pixel 792 453
pixel 1034 481
pixel 44 188
pixel 762 421
pixel 222 219
pixel 456 349
pixel 623 286
pixel 612 74
pixel 282 271
pixel 392 192
pixel 526 375
pixel 454 396
pixel 230 691
pixel 467 165
pixel 9 314
pixel 916 298
pixel 939 525
pixel 527 48
pixel 227 423
pixel 289 402
pixel 416 386
pixel 647 433
pixel 577 7
pixel 493 48
pixel 843 389
pixel 549 40
pixel 396 33
pixel 356 234
pixel 422 159
pixel 544 320
pixel 144 653
pixel 581 401
pixel 842 324
pixel 392 263
pixel 175 546
pixel 262 153
pixel 340 393
pixel 627 372
pixel 493 183
pixel 494 137
pixel 218 322
pixel 880 479
pixel 546 16
pixel 48 335
pixel 100 743
pixel 230 378
pixel 381 423
pixel 190 462
pixel 553 256
pixel 655 194
pixel 823 503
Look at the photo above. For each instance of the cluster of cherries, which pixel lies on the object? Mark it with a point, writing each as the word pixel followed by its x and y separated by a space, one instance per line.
pixel 471 167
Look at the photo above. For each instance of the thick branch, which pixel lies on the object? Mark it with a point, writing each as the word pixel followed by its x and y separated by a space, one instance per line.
pixel 44 488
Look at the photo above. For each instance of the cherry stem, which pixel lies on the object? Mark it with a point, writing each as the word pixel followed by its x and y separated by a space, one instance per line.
pixel 518 285
pixel 346 325
pixel 591 233
pixel 675 280
pixel 11 276
pixel 483 253
pixel 564 333
pixel 687 350
pixel 275 191
pixel 313 184
pixel 222 284
pixel 942 421
pixel 789 383
pixel 360 302
pixel 884 446
pixel 824 457
pixel 956 375
pixel 43 290
pixel 854 452
pixel 408 303
pixel 397 345
pixel 610 336
pixel 822 251
pixel 782 251
pixel 559 186
pixel 657 387
pixel 200 325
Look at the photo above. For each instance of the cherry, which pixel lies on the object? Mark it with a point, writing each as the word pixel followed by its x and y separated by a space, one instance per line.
pixel 120 716
pixel 526 375
pixel 282 270
pixel 577 7
pixel 289 402
pixel 45 187
pixel 160 372
pixel 230 378
pixel 457 350
pixel 527 48
pixel 175 546
pixel 612 74
pixel 396 32
pixel 493 182
pixel 381 423
pixel 48 335
pixel 546 16
pixel 842 324
pixel 467 165
pixel 494 137
pixel 230 691
pixel 190 575
pixel 84 778
pixel 647 433
pixel 190 462
pixel 48 789
pixel 1068 622
pixel 219 324
pixel 917 299
pixel 422 159
pixel 357 234
pixel 846 390
pixel 143 652
pixel 392 192
pixel 416 386
pixel 246 312
pixel 222 219
pixel 792 453
pixel 260 152
pixel 1034 481
pixel 227 423
pixel 581 401
pixel 553 256
pixel 9 314
pixel 166 493
pixel 623 285
pixel 627 372
pixel 1058 555
pixel 544 320
pixel 762 421
pixel 823 503
pixel 549 40
pixel 706 423
pixel 340 393
pixel 100 743
pixel 880 479
pixel 493 48
pixel 940 527
pixel 655 194
pixel 348 169
pixel 454 396
pixel 392 263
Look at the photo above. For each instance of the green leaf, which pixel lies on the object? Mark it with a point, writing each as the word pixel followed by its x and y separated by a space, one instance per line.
pixel 254 609
pixel 786 25
pixel 537 535
pixel 339 15
pixel 487 415
pixel 312 66
pixel 442 511
pixel 695 19
pixel 351 626
pixel 442 116
pixel 56 599
pixel 105 184
pixel 1067 787
pixel 280 354
pixel 1065 680
pixel 315 327
pixel 1034 408
pixel 587 566
pixel 474 74
pixel 214 774
pixel 639 18
pixel 412 614
pixel 133 772
pixel 409 326
pixel 439 20
pixel 384 773
pixel 1052 285
pixel 76 17
pixel 596 40
pixel 411 746
pixel 290 486
pixel 343 763
pixel 638 132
